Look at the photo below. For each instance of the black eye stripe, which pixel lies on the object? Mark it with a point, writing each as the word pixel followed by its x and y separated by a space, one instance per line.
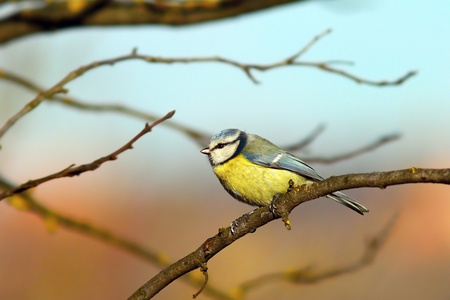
pixel 223 145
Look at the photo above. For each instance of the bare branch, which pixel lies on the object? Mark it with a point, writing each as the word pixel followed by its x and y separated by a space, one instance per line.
pixel 246 68
pixel 32 205
pixel 75 171
pixel 370 147
pixel 204 269
pixel 309 45
pixel 308 275
pixel 380 83
pixel 200 138
pixel 325 66
pixel 285 204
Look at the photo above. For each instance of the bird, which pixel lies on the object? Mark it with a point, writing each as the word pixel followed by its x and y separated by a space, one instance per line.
pixel 253 170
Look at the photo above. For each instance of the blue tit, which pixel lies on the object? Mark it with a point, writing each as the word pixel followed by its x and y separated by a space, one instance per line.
pixel 253 170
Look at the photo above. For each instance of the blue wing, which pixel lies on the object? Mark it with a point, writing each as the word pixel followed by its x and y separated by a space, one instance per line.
pixel 284 161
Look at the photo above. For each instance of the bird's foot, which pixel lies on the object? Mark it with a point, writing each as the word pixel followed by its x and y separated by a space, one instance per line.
pixel 235 224
pixel 280 214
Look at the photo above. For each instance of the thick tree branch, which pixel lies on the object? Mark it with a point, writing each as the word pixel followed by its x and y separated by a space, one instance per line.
pixel 77 170
pixel 285 204
pixel 57 15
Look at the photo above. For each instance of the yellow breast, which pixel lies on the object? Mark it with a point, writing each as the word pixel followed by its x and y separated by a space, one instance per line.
pixel 254 184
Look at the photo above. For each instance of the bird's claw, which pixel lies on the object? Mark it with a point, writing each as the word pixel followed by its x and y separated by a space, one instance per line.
pixel 273 206
pixel 235 223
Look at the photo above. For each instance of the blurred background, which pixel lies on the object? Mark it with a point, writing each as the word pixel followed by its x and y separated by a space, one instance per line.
pixel 163 194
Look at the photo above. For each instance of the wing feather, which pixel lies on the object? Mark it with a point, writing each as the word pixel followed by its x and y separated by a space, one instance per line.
pixel 283 161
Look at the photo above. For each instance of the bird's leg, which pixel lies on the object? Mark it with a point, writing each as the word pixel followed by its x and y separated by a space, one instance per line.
pixel 273 208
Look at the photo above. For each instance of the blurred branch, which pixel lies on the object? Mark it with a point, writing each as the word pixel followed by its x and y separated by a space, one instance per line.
pixel 370 147
pixel 57 15
pixel 307 140
pixel 325 66
pixel 308 275
pixel 30 204
pixel 284 205
pixel 77 170
pixel 200 138
pixel 246 68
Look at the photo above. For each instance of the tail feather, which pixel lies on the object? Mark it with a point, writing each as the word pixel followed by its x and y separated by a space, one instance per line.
pixel 349 202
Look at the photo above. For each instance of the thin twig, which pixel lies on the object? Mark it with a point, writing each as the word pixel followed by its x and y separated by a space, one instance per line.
pixel 372 146
pixel 75 171
pixel 204 270
pixel 307 140
pixel 380 83
pixel 309 45
pixel 200 138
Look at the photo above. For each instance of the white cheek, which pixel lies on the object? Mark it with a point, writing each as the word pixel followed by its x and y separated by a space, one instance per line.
pixel 220 155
